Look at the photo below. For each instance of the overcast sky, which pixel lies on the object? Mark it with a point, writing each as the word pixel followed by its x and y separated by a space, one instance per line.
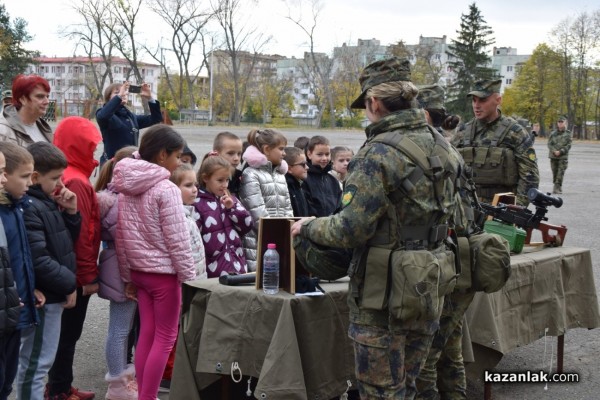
pixel 521 24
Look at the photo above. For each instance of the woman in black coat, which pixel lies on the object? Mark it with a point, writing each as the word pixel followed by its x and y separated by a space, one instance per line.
pixel 119 126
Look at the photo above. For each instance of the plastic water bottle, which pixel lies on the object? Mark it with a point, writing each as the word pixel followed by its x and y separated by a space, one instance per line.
pixel 271 270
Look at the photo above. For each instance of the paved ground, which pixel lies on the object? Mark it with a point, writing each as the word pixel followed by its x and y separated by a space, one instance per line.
pixel 579 212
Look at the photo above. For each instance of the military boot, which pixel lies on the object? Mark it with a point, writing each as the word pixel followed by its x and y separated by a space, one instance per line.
pixel 556 189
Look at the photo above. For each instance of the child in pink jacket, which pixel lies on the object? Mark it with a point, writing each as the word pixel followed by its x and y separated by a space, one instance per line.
pixel 153 248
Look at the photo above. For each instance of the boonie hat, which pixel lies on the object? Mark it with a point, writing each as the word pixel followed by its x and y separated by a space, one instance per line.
pixel 485 88
pixel 328 263
pixel 388 70
pixel 562 118
pixel 431 96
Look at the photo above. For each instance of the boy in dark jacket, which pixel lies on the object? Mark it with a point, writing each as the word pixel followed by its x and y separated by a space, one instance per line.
pixel 321 189
pixel 295 176
pixel 13 199
pixel 52 223
pixel 9 298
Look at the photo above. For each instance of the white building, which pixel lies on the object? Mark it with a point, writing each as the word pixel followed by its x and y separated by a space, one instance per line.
pixel 506 61
pixel 293 68
pixel 72 84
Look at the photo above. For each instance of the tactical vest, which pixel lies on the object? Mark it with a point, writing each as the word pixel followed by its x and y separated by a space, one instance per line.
pixel 374 265
pixel 495 168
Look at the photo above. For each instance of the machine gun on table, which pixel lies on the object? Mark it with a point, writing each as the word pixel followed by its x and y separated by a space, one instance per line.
pixel 526 219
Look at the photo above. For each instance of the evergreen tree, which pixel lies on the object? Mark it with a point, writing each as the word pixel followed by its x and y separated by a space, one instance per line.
pixel 13 57
pixel 469 60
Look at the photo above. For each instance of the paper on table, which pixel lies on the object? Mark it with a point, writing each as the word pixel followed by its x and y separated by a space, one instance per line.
pixel 310 294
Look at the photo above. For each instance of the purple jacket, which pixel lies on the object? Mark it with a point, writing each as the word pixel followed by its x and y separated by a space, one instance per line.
pixel 152 235
pixel 110 282
pixel 222 230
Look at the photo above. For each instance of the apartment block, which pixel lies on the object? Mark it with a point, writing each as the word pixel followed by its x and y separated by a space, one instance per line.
pixel 71 79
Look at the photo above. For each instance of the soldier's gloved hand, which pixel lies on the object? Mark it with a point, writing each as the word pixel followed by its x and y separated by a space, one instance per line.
pixel 450 122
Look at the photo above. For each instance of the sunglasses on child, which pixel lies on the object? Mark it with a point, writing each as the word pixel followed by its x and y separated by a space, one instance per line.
pixel 300 163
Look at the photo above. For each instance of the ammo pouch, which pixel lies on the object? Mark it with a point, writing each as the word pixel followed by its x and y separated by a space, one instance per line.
pixel 492 166
pixel 410 283
pixel 485 262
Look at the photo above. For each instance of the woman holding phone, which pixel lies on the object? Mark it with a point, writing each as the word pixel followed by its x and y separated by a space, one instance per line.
pixel 119 126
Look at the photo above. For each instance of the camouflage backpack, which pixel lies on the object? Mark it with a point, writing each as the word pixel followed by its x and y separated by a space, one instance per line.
pixel 484 257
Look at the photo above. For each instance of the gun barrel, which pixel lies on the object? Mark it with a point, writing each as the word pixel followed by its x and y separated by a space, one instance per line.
pixel 543 200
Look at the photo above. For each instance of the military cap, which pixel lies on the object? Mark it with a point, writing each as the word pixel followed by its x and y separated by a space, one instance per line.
pixel 485 88
pixel 388 70
pixel 431 96
pixel 7 94
pixel 562 118
pixel 329 263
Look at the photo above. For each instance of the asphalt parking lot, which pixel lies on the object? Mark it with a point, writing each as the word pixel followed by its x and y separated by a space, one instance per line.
pixel 581 195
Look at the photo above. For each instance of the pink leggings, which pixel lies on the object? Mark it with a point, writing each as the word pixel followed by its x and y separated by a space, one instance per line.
pixel 159 302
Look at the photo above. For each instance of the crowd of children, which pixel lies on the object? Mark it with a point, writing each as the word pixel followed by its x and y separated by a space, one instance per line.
pixel 154 222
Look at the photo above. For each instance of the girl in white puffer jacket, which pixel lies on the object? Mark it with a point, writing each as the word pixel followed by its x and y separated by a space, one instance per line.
pixel 264 190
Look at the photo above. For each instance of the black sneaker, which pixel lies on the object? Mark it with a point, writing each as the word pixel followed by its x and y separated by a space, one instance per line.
pixel 165 386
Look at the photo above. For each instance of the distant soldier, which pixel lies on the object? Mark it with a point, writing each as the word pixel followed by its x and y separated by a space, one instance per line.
pixel 497 147
pixel 395 214
pixel 21 122
pixel 559 144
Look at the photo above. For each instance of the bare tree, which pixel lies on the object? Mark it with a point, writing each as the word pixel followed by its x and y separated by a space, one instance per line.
pixel 238 35
pixel 577 40
pixel 124 14
pixel 319 66
pixel 187 22
pixel 96 41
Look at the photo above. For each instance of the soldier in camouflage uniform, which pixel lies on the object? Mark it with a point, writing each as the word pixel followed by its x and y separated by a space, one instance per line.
pixel 497 147
pixel 443 374
pixel 559 144
pixel 385 214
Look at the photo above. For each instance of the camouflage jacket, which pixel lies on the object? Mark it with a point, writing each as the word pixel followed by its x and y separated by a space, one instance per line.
pixel 374 173
pixel 518 140
pixel 561 141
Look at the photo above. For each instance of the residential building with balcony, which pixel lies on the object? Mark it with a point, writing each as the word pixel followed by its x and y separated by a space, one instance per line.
pixel 72 80
pixel 507 62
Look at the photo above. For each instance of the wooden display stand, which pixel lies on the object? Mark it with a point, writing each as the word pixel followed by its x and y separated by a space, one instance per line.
pixel 504 198
pixel 278 231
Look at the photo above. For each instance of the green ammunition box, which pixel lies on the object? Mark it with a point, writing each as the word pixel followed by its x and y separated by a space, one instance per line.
pixel 514 235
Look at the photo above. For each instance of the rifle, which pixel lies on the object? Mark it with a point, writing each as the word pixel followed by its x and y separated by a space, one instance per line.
pixel 526 219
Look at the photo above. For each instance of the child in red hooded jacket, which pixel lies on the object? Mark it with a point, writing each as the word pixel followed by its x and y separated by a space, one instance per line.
pixel 77 138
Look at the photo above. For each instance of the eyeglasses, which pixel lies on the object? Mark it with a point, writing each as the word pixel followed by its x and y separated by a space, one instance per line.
pixel 300 163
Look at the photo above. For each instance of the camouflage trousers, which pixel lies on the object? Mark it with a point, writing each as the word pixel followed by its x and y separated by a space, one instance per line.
pixel 387 364
pixel 444 370
pixel 558 166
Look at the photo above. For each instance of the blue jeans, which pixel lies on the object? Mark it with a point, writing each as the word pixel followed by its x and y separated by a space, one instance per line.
pixel 38 349
pixel 9 360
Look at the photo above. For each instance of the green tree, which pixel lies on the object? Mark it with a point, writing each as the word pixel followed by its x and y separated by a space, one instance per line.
pixel 468 59
pixel 536 93
pixel 14 59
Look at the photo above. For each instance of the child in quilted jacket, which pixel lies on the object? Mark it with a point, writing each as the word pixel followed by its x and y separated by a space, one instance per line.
pixel 120 375
pixel 153 248
pixel 185 179
pixel 264 191
pixel 223 219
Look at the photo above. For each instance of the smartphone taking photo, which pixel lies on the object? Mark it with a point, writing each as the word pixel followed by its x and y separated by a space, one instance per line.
pixel 135 89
